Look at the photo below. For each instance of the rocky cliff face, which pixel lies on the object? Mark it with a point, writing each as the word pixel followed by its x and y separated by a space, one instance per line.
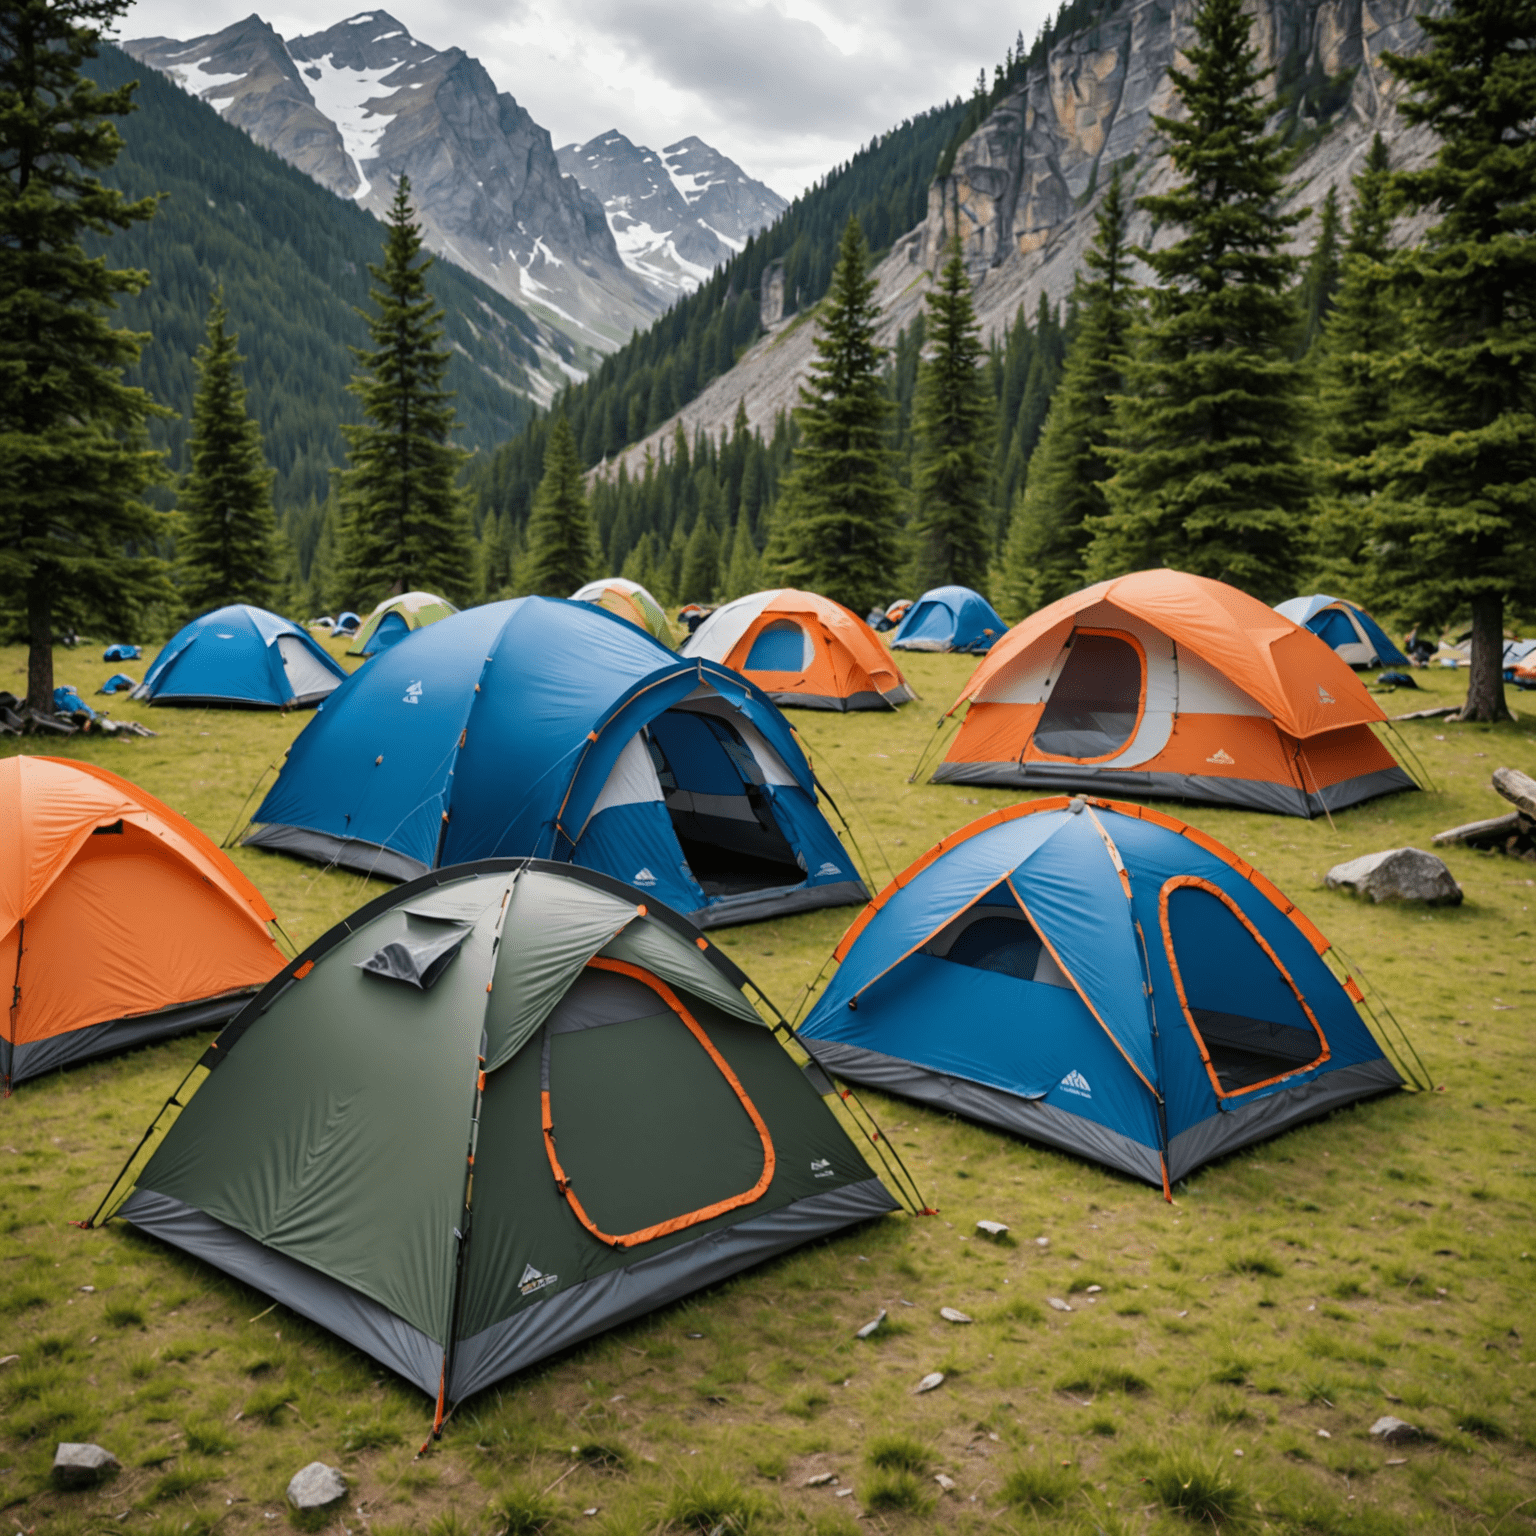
pixel 675 215
pixel 362 103
pixel 1026 185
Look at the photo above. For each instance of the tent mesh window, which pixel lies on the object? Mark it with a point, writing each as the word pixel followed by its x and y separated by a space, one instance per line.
pixel 1093 709
pixel 1247 1014
pixel 718 806
pixel 780 647
pixel 995 937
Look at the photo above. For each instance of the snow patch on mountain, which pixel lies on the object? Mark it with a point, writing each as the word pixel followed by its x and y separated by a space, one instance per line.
pixel 343 95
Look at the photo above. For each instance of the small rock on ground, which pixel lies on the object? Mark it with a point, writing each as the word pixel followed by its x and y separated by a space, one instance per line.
pixel 1393 1431
pixel 77 1465
pixel 930 1381
pixel 1397 874
pixel 316 1487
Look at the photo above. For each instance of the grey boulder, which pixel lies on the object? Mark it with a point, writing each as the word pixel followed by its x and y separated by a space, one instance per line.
pixel 316 1486
pixel 1393 1431
pixel 81 1466
pixel 1399 874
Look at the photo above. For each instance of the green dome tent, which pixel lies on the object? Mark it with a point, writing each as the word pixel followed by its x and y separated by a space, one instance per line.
pixel 634 1129
pixel 395 618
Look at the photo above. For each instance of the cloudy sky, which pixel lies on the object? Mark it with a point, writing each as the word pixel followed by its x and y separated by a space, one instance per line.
pixel 787 88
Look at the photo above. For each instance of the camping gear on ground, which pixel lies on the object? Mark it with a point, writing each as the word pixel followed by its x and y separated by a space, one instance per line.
pixel 897 611
pixel 67 701
pixel 395 618
pixel 949 619
pixel 119 682
pixel 1101 978
pixel 1389 680
pixel 555 729
pixel 121 653
pixel 802 649
pixel 629 600
pixel 241 656
pixel 1161 683
pixel 1516 654
pixel 347 623
pixel 1523 674
pixel 636 1130
pixel 691 615
pixel 120 922
pixel 1345 627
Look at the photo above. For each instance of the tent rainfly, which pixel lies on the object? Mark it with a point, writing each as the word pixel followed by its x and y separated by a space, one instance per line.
pixel 241 656
pixel 634 1129
pixel 1160 683
pixel 120 922
pixel 1346 628
pixel 802 649
pixel 552 729
pixel 395 618
pixel 1101 978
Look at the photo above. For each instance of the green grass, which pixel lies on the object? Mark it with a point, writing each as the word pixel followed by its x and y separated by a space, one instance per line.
pixel 1378 1251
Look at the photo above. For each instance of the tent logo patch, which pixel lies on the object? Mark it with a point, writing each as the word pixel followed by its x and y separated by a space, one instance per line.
pixel 1324 697
pixel 1221 755
pixel 535 1280
pixel 413 694
pixel 829 869
pixel 1075 1082
pixel 822 1169
pixel 643 877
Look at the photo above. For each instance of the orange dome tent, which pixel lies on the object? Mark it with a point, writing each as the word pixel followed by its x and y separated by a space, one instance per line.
pixel 801 648
pixel 120 922
pixel 1174 686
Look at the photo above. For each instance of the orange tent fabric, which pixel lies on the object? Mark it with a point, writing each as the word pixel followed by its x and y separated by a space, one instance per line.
pixel 1170 685
pixel 802 649
pixel 120 922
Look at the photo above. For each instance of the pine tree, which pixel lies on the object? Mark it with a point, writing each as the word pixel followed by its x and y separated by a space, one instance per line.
pixel 563 552
pixel 1455 513
pixel 404 525
pixel 227 542
pixel 834 529
pixel 73 459
pixel 1320 279
pixel 1208 474
pixel 744 574
pixel 1064 491
pixel 954 422
pixel 701 564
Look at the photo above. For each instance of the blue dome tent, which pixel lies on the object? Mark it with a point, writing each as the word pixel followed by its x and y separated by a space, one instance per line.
pixel 558 730
pixel 1101 978
pixel 1346 627
pixel 242 656
pixel 949 619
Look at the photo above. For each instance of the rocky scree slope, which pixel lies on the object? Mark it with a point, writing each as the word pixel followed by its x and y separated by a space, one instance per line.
pixel 362 103
pixel 677 215
pixel 1025 186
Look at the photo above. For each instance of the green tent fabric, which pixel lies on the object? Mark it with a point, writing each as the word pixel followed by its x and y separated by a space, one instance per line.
pixel 634 1130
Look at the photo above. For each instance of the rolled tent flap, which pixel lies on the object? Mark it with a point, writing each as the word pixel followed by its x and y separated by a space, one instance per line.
pixel 417 959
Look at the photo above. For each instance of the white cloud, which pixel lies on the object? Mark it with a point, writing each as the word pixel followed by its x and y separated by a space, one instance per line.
pixel 787 88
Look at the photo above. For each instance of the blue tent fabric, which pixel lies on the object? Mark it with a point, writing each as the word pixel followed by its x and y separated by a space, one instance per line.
pixel 1329 618
pixel 391 631
pixel 121 653
pixel 67 701
pixel 949 619
pixel 558 730
pixel 119 682
pixel 1102 1050
pixel 242 656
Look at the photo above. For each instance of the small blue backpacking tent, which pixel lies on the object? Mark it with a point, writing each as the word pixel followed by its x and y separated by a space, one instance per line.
pixel 1346 627
pixel 121 653
pixel 558 730
pixel 243 656
pixel 1101 978
pixel 949 619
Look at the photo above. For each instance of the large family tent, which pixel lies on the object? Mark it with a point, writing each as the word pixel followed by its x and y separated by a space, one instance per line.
pixel 553 729
pixel 395 618
pixel 1346 627
pixel 949 619
pixel 1170 685
pixel 242 656
pixel 635 1129
pixel 629 600
pixel 1100 978
pixel 120 922
pixel 802 649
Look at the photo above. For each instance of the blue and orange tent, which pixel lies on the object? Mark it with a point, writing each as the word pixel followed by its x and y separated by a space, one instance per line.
pixel 949 619
pixel 241 656
pixel 558 730
pixel 1346 627
pixel 1101 978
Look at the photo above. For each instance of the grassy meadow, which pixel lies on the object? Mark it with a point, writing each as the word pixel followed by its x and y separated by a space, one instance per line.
pixel 1220 1366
